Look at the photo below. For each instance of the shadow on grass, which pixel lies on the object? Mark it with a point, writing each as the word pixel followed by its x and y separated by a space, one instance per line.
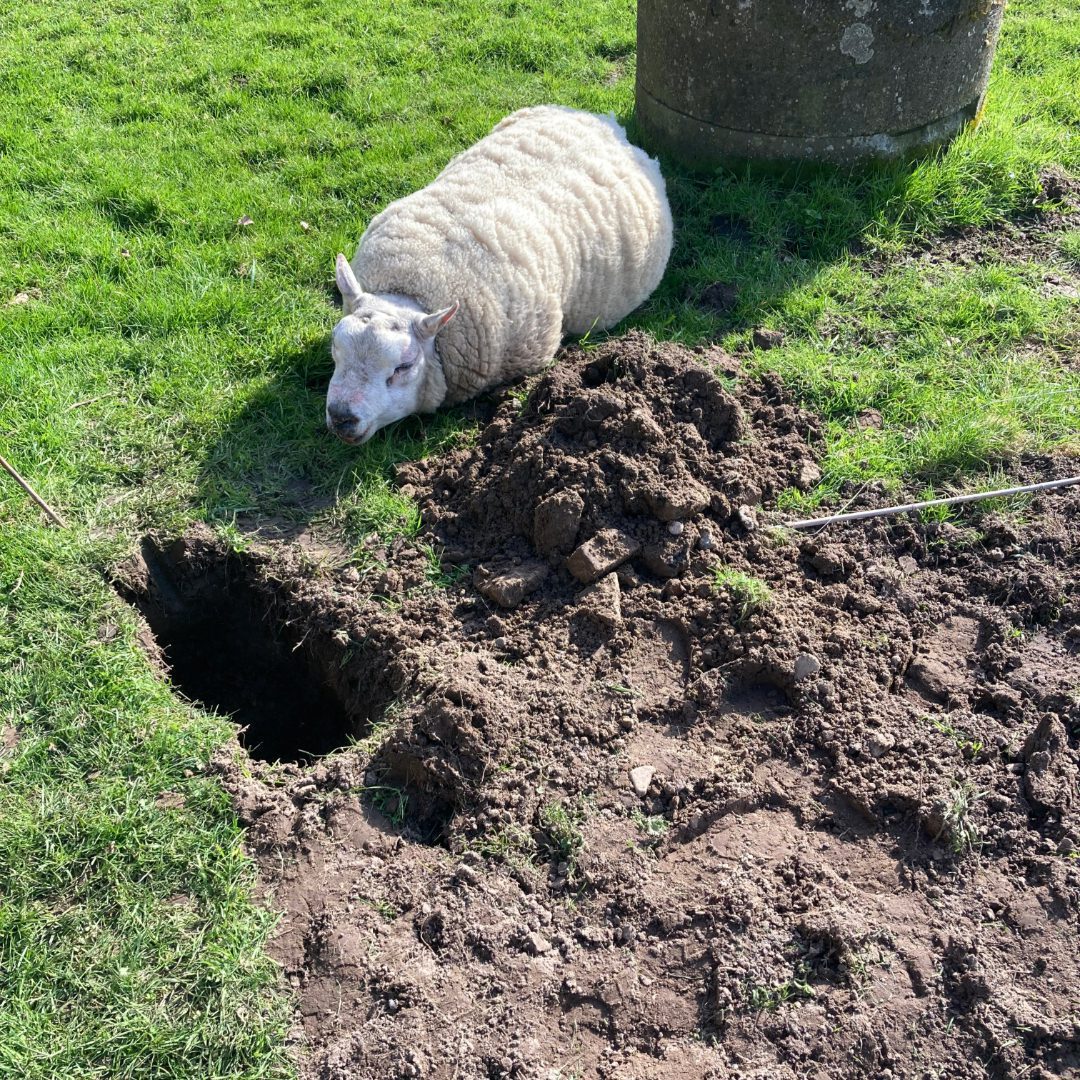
pixel 276 468
pixel 745 241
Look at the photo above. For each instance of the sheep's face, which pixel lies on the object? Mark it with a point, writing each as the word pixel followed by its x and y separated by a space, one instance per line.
pixel 382 350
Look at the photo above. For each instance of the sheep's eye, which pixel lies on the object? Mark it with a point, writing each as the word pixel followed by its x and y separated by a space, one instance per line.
pixel 399 369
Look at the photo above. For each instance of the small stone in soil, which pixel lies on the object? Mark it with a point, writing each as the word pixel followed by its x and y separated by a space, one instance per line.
pixel 747 518
pixel 537 944
pixel 933 678
pixel 705 540
pixel 676 528
pixel 641 778
pixel 879 743
pixel 765 338
pixel 808 476
pixel 806 664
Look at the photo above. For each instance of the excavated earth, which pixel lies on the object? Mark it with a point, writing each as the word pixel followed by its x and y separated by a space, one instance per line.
pixel 639 785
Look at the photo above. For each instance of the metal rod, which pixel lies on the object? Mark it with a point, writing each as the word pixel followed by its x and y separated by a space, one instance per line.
pixel 50 513
pixel 885 511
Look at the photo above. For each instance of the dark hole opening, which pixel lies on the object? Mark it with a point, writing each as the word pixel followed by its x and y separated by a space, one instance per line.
pixel 226 651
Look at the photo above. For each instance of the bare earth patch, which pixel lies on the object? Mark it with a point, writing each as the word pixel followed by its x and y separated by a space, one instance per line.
pixel 855 853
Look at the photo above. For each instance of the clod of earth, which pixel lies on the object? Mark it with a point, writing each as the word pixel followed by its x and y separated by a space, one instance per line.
pixel 605 552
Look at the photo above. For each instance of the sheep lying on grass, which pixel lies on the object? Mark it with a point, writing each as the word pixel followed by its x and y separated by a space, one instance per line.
pixel 553 224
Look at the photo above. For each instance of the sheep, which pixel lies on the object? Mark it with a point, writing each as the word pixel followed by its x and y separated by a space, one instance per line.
pixel 551 225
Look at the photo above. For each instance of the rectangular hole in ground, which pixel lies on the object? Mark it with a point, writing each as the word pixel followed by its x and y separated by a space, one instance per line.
pixel 228 649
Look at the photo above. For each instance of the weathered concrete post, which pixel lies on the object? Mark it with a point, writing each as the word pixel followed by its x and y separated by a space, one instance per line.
pixel 810 80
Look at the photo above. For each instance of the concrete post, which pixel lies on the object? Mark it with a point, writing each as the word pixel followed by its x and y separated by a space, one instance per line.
pixel 784 81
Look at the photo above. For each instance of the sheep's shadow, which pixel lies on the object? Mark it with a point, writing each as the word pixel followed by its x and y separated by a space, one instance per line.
pixel 275 468
pixel 744 240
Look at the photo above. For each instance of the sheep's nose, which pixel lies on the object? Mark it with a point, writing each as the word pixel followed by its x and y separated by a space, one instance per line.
pixel 340 416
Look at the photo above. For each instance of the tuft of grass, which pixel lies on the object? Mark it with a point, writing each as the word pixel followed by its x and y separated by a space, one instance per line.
pixel 1069 244
pixel 652 826
pixel 561 824
pixel 959 830
pixel 512 845
pixel 391 801
pixel 439 576
pixel 967 746
pixel 751 594
pixel 765 998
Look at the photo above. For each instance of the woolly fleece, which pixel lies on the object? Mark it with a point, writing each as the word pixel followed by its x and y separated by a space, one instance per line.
pixel 552 224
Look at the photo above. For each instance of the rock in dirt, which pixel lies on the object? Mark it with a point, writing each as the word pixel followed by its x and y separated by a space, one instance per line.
pixel 806 665
pixel 747 518
pixel 808 476
pixel 932 678
pixel 556 521
pixel 940 673
pixel 605 552
pixel 641 778
pixel 879 743
pixel 508 587
pixel 602 602
pixel 537 944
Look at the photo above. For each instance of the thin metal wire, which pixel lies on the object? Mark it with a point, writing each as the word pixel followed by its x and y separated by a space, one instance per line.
pixel 50 513
pixel 887 511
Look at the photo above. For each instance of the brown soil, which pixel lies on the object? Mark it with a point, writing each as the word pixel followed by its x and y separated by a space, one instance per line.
pixel 856 853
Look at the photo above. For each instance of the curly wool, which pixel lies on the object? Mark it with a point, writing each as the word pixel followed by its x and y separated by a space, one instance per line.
pixel 553 224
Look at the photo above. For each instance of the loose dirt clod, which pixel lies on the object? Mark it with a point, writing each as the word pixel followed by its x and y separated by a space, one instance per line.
pixel 855 853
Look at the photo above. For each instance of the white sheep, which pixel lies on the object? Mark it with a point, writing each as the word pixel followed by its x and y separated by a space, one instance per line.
pixel 552 224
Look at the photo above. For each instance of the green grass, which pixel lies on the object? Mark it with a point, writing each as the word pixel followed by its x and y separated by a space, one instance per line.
pixel 166 363
pixel 561 824
pixel 751 594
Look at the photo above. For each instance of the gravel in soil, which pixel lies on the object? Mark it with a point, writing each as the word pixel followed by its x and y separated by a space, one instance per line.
pixel 655 789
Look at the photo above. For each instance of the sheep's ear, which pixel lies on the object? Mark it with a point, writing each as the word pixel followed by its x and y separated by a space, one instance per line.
pixel 427 326
pixel 347 284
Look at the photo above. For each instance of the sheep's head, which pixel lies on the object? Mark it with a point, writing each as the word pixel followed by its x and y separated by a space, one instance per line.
pixel 383 351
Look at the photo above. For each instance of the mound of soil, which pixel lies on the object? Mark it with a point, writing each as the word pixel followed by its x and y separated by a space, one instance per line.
pixel 652 789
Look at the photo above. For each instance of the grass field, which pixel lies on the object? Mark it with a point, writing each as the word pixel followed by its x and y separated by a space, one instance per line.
pixel 160 362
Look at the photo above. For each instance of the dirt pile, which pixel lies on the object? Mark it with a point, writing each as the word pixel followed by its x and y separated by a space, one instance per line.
pixel 652 789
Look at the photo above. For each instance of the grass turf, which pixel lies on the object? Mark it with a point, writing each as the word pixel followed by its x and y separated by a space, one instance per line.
pixel 164 363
